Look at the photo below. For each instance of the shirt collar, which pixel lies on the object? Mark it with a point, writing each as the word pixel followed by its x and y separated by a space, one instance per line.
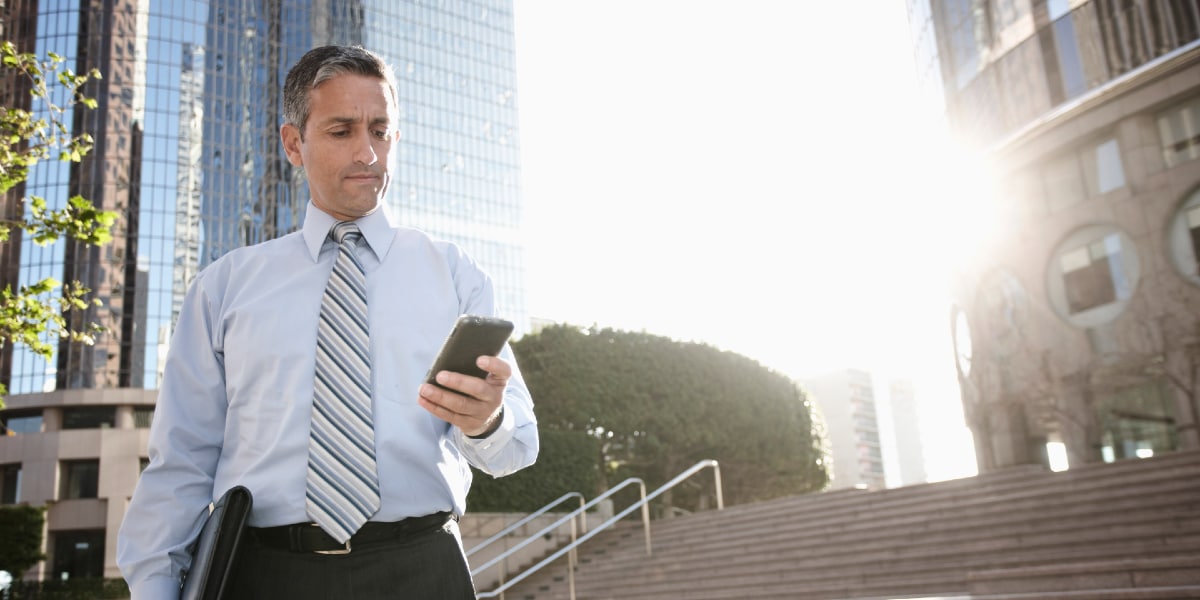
pixel 376 228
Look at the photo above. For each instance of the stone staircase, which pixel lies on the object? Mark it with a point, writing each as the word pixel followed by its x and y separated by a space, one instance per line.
pixel 1119 531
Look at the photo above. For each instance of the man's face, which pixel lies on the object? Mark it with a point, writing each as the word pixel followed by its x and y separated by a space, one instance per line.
pixel 345 144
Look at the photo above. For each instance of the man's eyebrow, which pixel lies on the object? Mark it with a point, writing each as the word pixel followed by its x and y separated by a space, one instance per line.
pixel 352 120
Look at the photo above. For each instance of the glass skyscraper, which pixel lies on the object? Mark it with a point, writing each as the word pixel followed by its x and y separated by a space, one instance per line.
pixel 187 152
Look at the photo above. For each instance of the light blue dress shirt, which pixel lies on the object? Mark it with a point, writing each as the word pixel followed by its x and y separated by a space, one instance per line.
pixel 237 388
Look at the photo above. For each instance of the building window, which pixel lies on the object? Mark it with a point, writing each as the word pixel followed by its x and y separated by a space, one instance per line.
pixel 1132 33
pixel 1093 275
pixel 1070 63
pixel 1105 172
pixel 1088 274
pixel 1058 8
pixel 1183 238
pixel 16 422
pixel 966 23
pixel 89 417
pixel 10 483
pixel 78 554
pixel 143 416
pixel 78 479
pixel 1137 422
pixel 1179 129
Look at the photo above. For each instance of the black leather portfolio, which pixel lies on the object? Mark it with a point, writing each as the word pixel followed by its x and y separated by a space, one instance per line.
pixel 217 546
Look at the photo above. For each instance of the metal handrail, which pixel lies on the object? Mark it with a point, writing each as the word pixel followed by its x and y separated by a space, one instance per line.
pixel 568 517
pixel 643 504
pixel 533 515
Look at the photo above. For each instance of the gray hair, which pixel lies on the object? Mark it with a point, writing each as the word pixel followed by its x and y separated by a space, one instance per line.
pixel 326 62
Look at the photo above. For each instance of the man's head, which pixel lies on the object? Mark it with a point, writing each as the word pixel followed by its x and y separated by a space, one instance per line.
pixel 321 64
pixel 340 121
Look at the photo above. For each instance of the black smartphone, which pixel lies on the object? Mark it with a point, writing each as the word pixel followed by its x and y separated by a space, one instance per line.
pixel 472 336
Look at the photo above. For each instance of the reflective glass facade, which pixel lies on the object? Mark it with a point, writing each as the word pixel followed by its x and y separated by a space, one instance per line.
pixel 187 150
pixel 1005 63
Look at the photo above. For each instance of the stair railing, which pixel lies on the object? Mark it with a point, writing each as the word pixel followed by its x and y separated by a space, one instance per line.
pixel 533 515
pixel 643 504
pixel 565 518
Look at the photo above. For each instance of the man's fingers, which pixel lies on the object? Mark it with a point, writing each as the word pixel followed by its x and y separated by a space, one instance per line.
pixel 499 371
pixel 469 414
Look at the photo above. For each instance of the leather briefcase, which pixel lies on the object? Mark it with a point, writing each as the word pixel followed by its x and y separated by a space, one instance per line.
pixel 216 549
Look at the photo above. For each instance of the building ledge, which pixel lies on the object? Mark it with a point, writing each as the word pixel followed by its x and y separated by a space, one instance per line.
pixel 95 397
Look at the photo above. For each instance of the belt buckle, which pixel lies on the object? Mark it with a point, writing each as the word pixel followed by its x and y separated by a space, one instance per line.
pixel 344 550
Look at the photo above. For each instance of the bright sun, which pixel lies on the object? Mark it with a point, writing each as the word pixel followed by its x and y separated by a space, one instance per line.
pixel 727 187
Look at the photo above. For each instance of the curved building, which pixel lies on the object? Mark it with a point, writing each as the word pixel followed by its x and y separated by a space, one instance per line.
pixel 187 151
pixel 1078 325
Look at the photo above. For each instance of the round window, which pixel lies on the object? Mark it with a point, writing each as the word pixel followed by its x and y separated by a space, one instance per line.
pixel 1183 238
pixel 1092 275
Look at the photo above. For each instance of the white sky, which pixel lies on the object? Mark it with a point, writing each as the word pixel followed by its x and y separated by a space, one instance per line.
pixel 744 173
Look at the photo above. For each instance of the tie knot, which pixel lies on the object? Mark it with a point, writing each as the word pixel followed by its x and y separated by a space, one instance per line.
pixel 342 230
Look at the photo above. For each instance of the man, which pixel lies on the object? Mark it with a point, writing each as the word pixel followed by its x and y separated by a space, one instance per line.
pixel 247 368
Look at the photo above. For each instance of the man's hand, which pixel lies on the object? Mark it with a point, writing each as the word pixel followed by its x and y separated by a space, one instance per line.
pixel 471 404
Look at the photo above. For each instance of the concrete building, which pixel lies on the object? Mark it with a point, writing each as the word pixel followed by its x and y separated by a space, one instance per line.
pixel 187 151
pixel 846 399
pixel 1079 322
pixel 906 431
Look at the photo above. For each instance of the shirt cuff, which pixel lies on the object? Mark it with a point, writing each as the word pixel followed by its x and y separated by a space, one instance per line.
pixel 496 423
pixel 155 588
pixel 495 440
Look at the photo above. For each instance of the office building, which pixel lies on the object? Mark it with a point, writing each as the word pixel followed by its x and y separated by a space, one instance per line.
pixel 187 151
pixel 846 399
pixel 1077 324
pixel 906 432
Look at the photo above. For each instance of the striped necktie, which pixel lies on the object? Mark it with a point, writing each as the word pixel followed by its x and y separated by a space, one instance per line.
pixel 342 490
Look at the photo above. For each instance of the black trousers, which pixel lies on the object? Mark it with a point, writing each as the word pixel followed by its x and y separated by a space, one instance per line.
pixel 426 565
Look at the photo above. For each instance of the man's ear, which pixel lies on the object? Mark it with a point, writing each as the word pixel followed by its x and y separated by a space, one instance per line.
pixel 290 135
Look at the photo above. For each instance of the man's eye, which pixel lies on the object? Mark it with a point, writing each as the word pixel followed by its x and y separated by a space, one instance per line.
pixel 381 133
pixel 339 133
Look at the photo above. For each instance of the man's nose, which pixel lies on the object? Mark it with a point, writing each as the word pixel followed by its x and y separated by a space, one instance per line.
pixel 364 150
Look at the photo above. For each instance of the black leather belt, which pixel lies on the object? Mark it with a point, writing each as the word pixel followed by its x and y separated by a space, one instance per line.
pixel 308 537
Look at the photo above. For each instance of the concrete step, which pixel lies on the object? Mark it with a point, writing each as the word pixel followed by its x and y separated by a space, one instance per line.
pixel 893 552
pixel 657 578
pixel 1178 505
pixel 1043 488
pixel 866 508
pixel 992 532
pixel 1168 571
pixel 1185 592
pixel 950 567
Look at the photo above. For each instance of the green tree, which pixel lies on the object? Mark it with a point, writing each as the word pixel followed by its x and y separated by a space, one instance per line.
pixel 33 128
pixel 658 406
pixel 21 538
